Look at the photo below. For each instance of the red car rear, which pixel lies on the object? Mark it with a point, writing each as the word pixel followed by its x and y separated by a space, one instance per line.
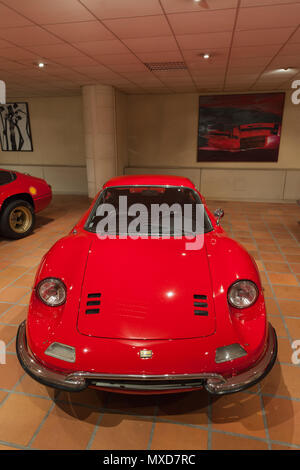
pixel 21 197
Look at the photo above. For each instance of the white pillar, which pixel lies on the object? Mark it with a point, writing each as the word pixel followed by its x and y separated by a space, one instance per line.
pixel 99 112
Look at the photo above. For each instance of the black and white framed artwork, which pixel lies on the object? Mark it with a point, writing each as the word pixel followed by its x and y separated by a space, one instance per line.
pixel 15 131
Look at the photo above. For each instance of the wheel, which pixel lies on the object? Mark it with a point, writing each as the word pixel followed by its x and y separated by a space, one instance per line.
pixel 17 219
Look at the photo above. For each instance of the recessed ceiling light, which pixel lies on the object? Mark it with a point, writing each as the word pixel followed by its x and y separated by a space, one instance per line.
pixel 41 65
pixel 206 56
pixel 197 1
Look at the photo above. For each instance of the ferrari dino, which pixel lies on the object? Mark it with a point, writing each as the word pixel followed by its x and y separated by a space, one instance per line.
pixel 147 314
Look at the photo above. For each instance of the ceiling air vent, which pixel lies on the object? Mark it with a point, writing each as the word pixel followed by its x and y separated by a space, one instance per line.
pixel 162 66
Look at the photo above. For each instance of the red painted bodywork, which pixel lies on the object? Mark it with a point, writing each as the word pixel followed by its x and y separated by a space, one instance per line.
pixel 244 137
pixel 134 278
pixel 36 188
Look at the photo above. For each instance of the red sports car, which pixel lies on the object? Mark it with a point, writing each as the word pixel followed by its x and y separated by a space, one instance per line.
pixel 147 314
pixel 21 197
pixel 244 137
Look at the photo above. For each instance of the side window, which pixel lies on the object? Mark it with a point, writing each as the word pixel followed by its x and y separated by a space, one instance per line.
pixel 6 177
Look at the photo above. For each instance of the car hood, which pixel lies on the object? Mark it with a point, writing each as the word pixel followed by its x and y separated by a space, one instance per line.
pixel 145 289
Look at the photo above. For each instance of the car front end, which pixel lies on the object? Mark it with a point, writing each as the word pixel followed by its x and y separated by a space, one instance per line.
pixel 147 315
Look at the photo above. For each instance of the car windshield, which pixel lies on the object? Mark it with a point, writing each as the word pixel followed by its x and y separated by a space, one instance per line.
pixel 148 210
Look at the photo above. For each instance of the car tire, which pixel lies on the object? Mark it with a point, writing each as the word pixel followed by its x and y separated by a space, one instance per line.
pixel 17 219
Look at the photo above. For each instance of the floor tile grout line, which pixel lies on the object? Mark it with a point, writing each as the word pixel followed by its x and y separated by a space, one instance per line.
pixel 31 395
pixel 154 420
pixel 264 416
pixel 275 297
pixel 11 444
pixel 268 279
pixel 259 389
pixel 291 233
pixel 96 427
pixel 209 422
pixel 35 434
pixel 282 253
pixel 10 392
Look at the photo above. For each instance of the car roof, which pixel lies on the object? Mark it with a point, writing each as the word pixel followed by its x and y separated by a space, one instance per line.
pixel 160 180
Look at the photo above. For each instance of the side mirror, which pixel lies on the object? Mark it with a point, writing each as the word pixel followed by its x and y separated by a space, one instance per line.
pixel 219 213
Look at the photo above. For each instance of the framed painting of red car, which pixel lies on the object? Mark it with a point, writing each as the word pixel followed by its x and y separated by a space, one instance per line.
pixel 242 127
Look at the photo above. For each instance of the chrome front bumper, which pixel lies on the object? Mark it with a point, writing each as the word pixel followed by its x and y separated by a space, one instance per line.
pixel 213 383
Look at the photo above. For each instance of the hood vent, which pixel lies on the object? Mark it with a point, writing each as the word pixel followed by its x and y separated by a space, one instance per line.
pixel 93 303
pixel 200 302
pixel 163 66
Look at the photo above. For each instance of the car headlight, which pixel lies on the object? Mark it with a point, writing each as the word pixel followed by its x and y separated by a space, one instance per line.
pixel 242 294
pixel 52 292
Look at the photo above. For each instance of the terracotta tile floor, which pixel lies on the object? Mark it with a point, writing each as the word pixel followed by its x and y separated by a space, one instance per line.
pixel 265 417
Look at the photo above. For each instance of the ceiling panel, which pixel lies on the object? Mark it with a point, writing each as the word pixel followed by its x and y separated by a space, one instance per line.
pixel 290 49
pixel 108 41
pixel 160 56
pixel 237 61
pixel 119 59
pixel 177 6
pixel 96 48
pixel 29 36
pixel 10 19
pixel 290 61
pixel 253 51
pixel 253 3
pixel 205 21
pixel 52 11
pixel 76 61
pixel 17 53
pixel 142 27
pixel 123 8
pixel 164 43
pixel 205 41
pixel 53 51
pixel 296 36
pixel 83 31
pixel 262 37
pixel 4 44
pixel 264 17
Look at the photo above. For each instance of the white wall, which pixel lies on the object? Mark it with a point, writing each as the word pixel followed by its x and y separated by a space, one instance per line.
pixel 58 144
pixel 162 138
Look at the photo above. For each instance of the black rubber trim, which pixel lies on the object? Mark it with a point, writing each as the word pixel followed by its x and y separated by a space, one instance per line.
pixel 256 381
pixel 197 296
pixel 42 381
pixel 94 295
pixel 199 304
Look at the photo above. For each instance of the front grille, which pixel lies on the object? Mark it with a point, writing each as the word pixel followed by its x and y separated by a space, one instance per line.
pixel 148 384
pixel 252 142
pixel 200 302
pixel 93 303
